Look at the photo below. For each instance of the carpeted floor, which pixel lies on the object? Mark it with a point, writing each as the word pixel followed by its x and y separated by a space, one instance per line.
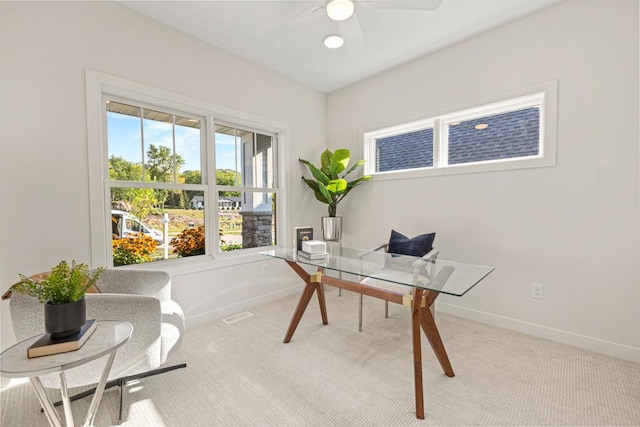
pixel 241 374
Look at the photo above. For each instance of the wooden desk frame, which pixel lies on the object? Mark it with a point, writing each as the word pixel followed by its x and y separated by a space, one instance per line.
pixel 421 316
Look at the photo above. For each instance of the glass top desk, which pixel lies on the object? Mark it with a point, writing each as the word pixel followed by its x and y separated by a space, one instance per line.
pixel 410 281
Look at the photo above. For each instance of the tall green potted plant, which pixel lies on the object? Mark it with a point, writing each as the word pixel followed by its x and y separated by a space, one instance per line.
pixel 330 186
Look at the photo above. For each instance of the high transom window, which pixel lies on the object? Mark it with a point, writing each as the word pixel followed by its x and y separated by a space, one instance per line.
pixel 510 133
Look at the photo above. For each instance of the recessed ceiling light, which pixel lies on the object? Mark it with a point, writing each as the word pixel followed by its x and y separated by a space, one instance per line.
pixel 339 10
pixel 333 41
pixel 482 126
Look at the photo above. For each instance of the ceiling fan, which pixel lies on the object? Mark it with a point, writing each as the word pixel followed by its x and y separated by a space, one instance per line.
pixel 344 12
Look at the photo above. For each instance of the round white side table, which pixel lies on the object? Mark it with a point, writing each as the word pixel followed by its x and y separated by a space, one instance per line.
pixel 105 341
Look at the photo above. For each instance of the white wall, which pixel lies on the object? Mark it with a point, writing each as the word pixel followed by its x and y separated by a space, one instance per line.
pixel 46 48
pixel 573 227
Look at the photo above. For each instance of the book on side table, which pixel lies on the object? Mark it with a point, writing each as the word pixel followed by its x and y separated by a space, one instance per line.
pixel 47 346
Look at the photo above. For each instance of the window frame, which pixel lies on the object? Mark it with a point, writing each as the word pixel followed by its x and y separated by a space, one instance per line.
pixel 275 188
pixel 99 86
pixel 544 93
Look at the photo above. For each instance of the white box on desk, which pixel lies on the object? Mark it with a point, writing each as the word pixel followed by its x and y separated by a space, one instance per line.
pixel 314 246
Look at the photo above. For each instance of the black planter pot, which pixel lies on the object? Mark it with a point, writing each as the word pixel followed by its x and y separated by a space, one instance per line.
pixel 63 320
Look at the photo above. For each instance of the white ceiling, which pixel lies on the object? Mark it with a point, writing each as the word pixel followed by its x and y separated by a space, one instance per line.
pixel 265 32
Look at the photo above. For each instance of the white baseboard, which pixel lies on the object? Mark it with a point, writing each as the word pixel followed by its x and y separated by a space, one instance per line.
pixel 565 337
pixel 589 343
pixel 228 310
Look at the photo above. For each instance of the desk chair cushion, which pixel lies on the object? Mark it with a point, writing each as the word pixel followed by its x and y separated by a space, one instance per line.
pixel 381 280
pixel 417 246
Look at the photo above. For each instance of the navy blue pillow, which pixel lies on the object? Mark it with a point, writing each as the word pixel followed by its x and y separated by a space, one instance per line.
pixel 417 246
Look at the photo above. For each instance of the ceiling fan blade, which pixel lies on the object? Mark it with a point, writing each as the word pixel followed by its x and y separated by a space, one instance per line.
pixel 402 4
pixel 299 20
pixel 352 34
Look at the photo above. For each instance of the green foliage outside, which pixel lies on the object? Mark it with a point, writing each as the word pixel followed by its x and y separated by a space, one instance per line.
pixel 230 178
pixel 160 163
pixel 192 177
pixel 143 200
pixel 124 170
pixel 64 285
pixel 228 248
pixel 125 256
pixel 159 168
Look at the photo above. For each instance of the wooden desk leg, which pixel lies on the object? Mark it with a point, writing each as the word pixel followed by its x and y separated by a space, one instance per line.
pixel 321 301
pixel 310 288
pixel 431 331
pixel 302 306
pixel 417 352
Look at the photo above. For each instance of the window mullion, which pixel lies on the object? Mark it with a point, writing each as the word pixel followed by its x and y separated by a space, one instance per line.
pixel 443 143
pixel 247 189
pixel 156 185
pixel 144 164
pixel 211 202
pixel 175 163
pixel 443 130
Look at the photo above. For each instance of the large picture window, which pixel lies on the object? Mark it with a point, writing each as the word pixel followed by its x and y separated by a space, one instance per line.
pixel 176 178
pixel 159 197
pixel 512 132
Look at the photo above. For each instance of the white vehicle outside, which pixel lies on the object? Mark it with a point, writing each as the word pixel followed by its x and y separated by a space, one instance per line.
pixel 123 224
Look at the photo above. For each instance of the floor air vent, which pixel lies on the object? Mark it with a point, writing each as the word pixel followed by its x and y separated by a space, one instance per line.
pixel 237 317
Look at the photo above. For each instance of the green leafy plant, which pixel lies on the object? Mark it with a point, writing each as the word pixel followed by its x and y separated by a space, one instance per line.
pixel 329 186
pixel 231 247
pixel 63 285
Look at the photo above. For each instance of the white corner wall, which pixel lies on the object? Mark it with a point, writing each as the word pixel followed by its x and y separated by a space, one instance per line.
pixel 573 227
pixel 46 47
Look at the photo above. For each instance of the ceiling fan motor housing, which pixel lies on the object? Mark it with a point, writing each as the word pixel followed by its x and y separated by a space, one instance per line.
pixel 339 10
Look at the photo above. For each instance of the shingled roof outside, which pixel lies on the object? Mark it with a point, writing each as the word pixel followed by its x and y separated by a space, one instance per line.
pixel 507 135
pixel 406 151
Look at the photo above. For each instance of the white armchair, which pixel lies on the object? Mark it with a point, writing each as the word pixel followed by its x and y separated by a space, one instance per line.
pixel 140 297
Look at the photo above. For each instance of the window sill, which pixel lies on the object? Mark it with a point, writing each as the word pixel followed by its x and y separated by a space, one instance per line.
pixel 492 166
pixel 183 266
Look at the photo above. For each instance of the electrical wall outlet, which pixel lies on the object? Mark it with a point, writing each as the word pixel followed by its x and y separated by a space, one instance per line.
pixel 537 290
pixel 265 269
